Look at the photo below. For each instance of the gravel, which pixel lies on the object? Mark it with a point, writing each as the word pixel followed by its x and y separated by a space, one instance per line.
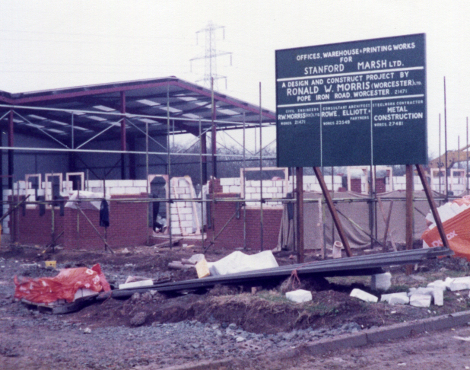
pixel 122 347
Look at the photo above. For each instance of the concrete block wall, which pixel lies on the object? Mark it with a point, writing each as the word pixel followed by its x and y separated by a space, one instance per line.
pixel 117 187
pixel 182 213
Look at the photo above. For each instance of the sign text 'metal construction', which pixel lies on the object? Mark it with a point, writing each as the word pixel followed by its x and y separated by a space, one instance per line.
pixel 350 104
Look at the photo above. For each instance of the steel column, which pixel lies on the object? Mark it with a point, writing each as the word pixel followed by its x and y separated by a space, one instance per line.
pixel 409 212
pixel 299 178
pixel 123 135
pixel 10 152
pixel 332 209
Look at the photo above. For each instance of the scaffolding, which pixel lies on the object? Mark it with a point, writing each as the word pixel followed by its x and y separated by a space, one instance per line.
pixel 174 125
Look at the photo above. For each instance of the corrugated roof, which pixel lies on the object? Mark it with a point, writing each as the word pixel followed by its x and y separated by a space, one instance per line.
pixel 98 107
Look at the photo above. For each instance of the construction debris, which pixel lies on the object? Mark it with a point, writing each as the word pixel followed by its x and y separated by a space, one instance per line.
pixel 420 300
pixel 202 269
pixel 381 281
pixel 186 263
pixel 455 217
pixel 299 296
pixel 136 284
pixel 395 298
pixel 364 296
pixel 238 262
pixel 62 287
pixel 462 283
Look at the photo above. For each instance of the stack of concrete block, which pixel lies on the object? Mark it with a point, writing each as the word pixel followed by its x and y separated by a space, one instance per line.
pixel 272 189
pixel 433 293
pixel 182 213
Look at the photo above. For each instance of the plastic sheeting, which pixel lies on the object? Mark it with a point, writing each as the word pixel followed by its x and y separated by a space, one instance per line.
pixel 63 286
pixel 455 217
pixel 357 218
pixel 240 262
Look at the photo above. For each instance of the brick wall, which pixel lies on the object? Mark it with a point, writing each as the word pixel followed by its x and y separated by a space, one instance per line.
pixel 380 185
pixel 128 226
pixel 356 185
pixel 232 236
pixel 34 229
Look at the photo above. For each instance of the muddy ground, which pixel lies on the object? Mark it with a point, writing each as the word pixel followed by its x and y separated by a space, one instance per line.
pixel 152 330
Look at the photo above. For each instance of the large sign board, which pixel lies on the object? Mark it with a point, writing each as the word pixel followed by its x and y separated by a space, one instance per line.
pixel 354 103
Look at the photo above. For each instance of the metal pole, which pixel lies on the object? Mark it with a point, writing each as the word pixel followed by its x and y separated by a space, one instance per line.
pixel 466 173
pixel 300 213
pixel 147 178
pixel 261 169
pixel 445 141
pixel 409 212
pixel 439 163
pixel 201 167
pixel 214 164
pixel 169 162
pixel 214 133
pixel 10 152
pixel 244 187
pixel 123 135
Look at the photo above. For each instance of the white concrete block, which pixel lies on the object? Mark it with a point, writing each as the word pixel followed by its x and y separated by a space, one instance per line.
pixel 358 293
pixel 94 183
pixel 420 300
pixel 140 183
pixel 421 290
pixel 461 283
pixel 83 292
pixel 182 183
pixel 136 284
pixel 185 223
pixel 299 296
pixel 228 181
pixel 234 189
pixel 381 281
pixel 267 183
pixel 111 183
pixel 7 192
pixel 116 190
pixel 395 298
pixel 447 282
pixel 440 284
pixel 438 297
pixel 131 190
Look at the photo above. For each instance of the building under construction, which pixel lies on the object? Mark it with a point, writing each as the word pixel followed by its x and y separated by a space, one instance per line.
pixel 94 167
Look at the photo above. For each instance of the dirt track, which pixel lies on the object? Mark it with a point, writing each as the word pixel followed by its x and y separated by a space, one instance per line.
pixel 152 331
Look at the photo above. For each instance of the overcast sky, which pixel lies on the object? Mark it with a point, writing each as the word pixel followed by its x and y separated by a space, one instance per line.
pixel 52 44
